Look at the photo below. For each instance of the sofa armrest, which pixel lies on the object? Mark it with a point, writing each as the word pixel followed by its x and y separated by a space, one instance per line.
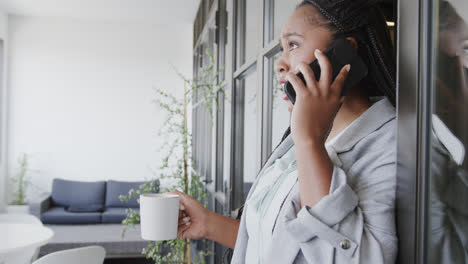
pixel 40 205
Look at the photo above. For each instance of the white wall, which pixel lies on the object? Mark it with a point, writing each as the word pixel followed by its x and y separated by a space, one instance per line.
pixel 81 96
pixel 3 108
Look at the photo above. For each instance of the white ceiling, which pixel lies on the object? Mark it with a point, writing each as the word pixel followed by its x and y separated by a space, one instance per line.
pixel 154 11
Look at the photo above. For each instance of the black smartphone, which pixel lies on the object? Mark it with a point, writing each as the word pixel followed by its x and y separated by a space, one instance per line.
pixel 339 54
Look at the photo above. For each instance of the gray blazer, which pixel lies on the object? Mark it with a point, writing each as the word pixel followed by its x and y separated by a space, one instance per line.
pixel 355 222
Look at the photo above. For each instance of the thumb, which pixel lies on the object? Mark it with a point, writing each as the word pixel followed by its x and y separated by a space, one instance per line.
pixel 182 198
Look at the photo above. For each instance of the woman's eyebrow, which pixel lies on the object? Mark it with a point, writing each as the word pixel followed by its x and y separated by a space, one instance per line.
pixel 289 34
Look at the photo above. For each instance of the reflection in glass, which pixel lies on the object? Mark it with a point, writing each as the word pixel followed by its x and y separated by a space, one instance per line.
pixel 250 130
pixel 449 168
pixel 280 113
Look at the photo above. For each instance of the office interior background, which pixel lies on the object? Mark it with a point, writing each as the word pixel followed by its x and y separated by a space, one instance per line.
pixel 231 143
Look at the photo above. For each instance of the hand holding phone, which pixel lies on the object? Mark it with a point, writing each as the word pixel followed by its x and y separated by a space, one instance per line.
pixel 339 54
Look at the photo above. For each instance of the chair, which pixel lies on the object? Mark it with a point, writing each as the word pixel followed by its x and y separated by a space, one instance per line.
pixel 30 254
pixel 88 255
pixel 20 218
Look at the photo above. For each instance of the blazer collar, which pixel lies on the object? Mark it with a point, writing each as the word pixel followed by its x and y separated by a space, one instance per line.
pixel 380 113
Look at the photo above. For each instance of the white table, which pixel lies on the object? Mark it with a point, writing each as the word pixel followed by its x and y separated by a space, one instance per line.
pixel 16 239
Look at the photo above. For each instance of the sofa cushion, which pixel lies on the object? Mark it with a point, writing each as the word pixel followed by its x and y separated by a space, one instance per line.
pixel 116 188
pixel 66 193
pixel 114 215
pixel 79 208
pixel 58 215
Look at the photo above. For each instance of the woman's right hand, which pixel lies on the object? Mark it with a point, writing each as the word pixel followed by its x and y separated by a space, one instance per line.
pixel 192 218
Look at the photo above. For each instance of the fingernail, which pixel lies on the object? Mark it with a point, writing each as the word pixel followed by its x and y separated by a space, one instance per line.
pixel 182 208
pixel 187 223
pixel 317 51
pixel 347 67
pixel 186 219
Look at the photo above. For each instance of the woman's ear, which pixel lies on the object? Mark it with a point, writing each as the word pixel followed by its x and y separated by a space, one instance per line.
pixel 353 42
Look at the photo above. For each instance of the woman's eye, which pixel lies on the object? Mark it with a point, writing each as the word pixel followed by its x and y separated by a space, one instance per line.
pixel 292 45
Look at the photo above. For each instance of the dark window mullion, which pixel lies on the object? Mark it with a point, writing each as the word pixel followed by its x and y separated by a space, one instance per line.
pixel 238 178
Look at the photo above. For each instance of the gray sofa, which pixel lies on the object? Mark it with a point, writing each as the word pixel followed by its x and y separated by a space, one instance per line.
pixel 89 213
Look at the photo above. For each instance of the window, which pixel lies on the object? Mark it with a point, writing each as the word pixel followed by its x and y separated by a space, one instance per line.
pixel 246 143
pixel 277 108
pixel 2 101
pixel 252 117
pixel 447 183
pixel 278 12
pixel 248 30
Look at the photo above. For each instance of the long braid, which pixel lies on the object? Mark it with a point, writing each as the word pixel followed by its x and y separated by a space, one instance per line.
pixel 387 88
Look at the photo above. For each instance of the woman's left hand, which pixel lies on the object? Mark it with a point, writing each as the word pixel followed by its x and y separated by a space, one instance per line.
pixel 317 102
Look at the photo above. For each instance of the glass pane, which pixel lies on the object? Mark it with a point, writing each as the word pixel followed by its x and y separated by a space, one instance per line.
pixel 250 131
pixel 219 249
pixel 223 39
pixel 219 144
pixel 2 96
pixel 280 114
pixel 208 124
pixel 449 166
pixel 282 9
pixel 251 29
pixel 227 138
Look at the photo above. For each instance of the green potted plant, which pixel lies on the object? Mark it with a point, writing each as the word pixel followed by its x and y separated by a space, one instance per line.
pixel 177 164
pixel 19 182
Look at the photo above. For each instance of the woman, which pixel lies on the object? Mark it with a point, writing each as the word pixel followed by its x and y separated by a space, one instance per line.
pixel 326 195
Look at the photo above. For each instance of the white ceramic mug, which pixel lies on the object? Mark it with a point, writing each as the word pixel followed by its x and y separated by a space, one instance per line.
pixel 159 216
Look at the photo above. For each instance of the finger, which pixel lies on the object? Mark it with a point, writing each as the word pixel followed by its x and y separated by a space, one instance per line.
pixel 297 84
pixel 338 84
pixel 184 233
pixel 184 220
pixel 309 76
pixel 182 214
pixel 184 224
pixel 326 71
pixel 182 197
pixel 182 229
pixel 180 232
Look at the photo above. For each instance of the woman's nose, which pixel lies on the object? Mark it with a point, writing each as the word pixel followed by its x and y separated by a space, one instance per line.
pixel 281 65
